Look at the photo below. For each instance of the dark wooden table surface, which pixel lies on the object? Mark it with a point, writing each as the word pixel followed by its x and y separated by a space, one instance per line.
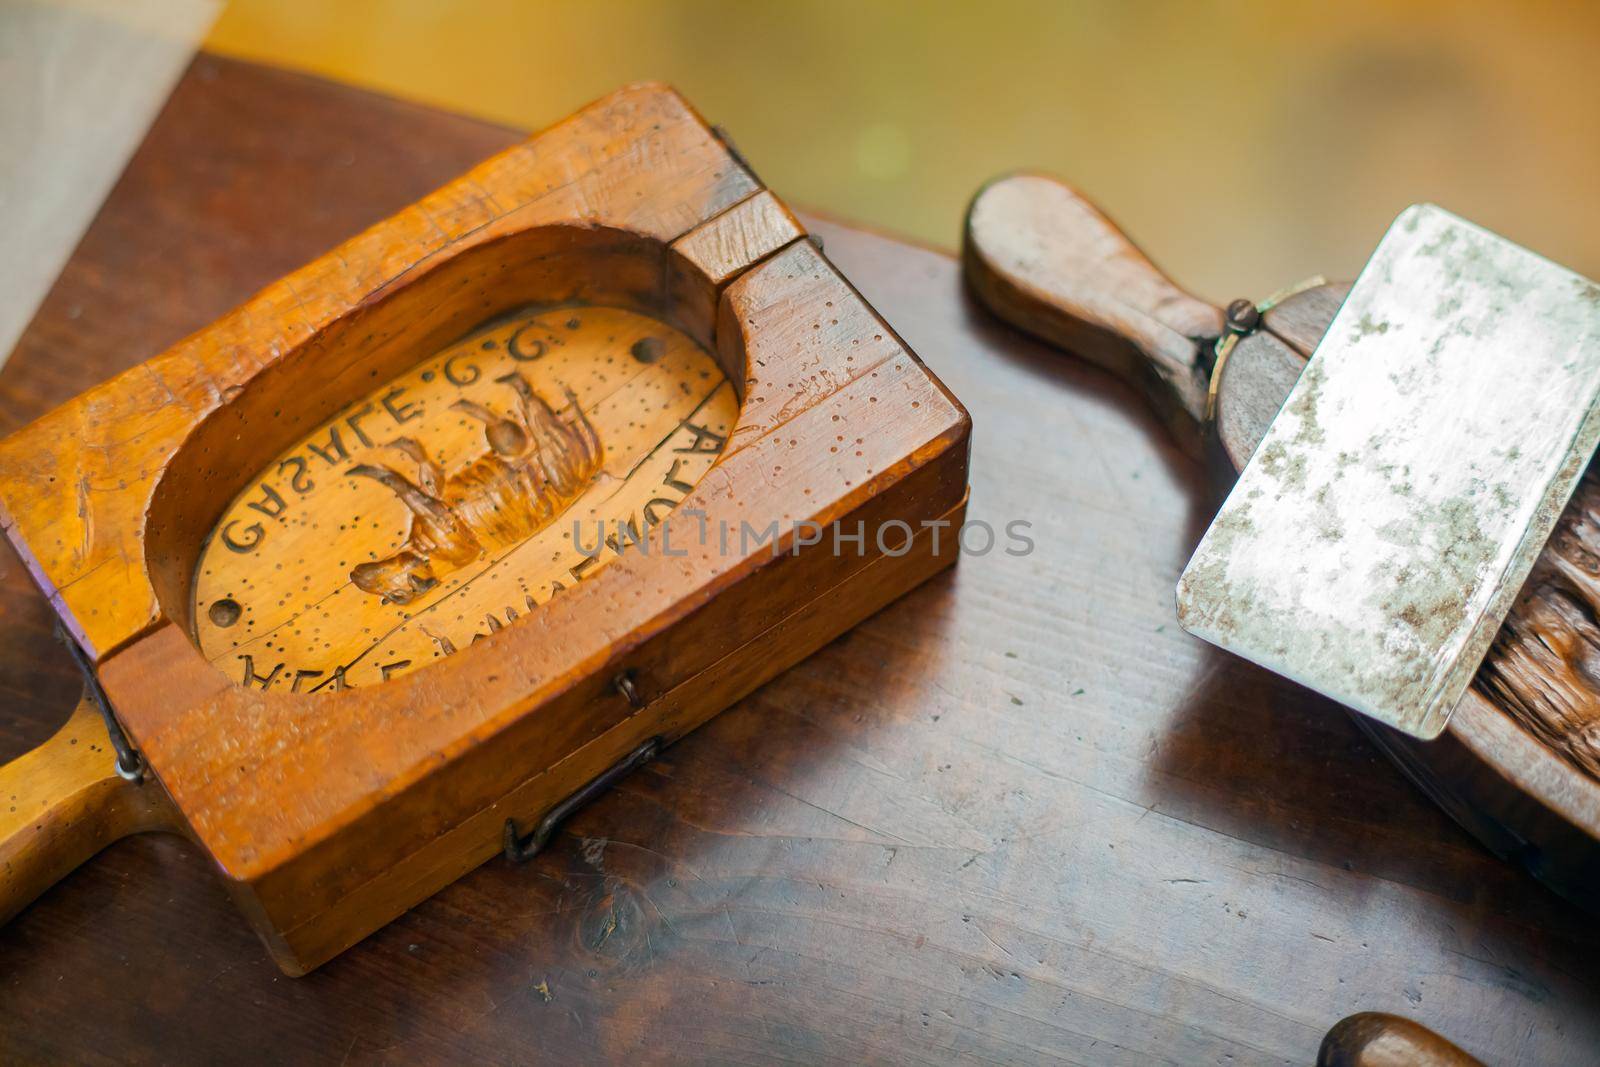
pixel 1018 817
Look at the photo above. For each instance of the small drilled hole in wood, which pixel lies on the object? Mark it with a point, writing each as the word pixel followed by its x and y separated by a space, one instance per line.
pixel 224 612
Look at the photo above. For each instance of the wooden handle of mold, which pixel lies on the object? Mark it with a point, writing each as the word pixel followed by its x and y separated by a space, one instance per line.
pixel 1042 257
pixel 1375 1039
pixel 63 802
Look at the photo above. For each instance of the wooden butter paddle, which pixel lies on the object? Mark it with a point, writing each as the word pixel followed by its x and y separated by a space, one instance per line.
pixel 1519 765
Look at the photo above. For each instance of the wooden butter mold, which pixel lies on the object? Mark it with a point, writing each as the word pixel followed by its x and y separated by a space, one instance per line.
pixel 371 572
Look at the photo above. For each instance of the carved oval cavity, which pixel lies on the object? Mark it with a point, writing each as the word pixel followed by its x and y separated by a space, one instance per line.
pixel 450 501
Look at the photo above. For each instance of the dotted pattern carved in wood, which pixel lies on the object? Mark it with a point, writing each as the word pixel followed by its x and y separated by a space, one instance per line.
pixel 445 504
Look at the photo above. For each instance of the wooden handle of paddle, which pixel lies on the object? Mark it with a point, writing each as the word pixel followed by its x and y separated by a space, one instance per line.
pixel 1374 1039
pixel 1043 258
pixel 63 802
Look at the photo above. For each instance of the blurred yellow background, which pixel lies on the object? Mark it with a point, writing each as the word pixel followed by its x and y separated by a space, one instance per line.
pixel 1244 144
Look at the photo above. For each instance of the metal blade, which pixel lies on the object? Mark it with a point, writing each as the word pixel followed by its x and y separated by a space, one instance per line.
pixel 1376 539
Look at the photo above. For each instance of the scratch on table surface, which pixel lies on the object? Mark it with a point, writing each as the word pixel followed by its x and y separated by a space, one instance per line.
pixel 672 861
pixel 660 913
pixel 842 818
pixel 608 926
pixel 987 937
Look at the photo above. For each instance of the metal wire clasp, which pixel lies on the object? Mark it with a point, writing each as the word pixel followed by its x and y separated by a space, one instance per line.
pixel 1240 320
pixel 130 764
pixel 522 849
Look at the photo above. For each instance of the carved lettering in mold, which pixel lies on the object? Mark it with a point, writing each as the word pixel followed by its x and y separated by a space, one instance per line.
pixel 446 504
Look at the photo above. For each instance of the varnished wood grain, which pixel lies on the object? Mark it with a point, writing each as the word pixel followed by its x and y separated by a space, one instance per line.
pixel 1017 817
